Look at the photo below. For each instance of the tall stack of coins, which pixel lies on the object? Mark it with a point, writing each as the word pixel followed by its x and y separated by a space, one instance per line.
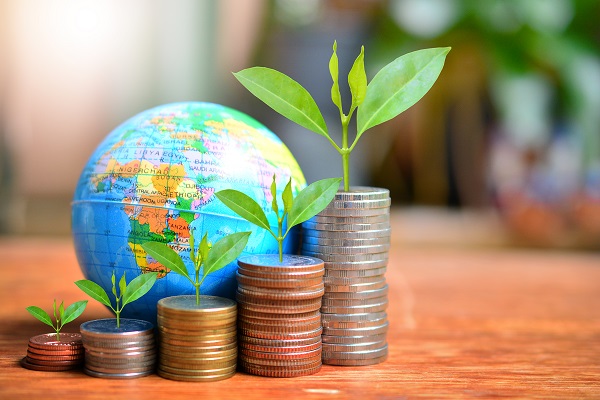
pixel 279 322
pixel 45 353
pixel 197 341
pixel 352 236
pixel 128 351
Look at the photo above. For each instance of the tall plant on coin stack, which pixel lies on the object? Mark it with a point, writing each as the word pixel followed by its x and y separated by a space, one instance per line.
pixel 352 233
pixel 198 333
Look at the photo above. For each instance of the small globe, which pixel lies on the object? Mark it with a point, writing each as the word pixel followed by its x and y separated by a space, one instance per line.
pixel 153 178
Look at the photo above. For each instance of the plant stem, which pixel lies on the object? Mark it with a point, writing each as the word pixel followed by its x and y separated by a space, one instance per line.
pixel 345 152
pixel 197 293
pixel 280 237
pixel 118 312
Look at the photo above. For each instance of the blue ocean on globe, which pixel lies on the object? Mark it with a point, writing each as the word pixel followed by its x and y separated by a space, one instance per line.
pixel 153 178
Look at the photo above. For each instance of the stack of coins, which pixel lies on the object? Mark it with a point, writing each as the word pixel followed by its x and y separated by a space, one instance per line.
pixel 352 236
pixel 279 321
pixel 45 353
pixel 197 341
pixel 128 351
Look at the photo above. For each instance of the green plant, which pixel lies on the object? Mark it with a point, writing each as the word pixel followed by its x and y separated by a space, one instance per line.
pixel 310 201
pixel 395 88
pixel 206 257
pixel 62 316
pixel 126 293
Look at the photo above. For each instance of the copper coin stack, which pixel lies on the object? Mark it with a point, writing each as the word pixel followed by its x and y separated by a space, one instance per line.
pixel 46 353
pixel 279 322
pixel 352 236
pixel 126 352
pixel 197 341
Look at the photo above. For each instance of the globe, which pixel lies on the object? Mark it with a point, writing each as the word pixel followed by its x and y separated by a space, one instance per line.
pixel 153 178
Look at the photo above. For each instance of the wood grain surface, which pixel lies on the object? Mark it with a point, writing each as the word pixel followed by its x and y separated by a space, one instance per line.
pixel 464 323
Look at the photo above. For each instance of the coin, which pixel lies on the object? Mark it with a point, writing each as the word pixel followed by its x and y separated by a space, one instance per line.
pixel 353 273
pixel 362 193
pixel 278 294
pixel 197 376
pixel 354 212
pixel 282 363
pixel 352 348
pixel 357 287
pixel 186 304
pixel 334 302
pixel 326 219
pixel 353 339
pixel 48 368
pixel 356 355
pixel 278 335
pixel 346 250
pixel 354 280
pixel 198 372
pixel 280 274
pixel 271 263
pixel 107 328
pixel 350 258
pixel 359 204
pixel 277 372
pixel 346 242
pixel 308 341
pixel 335 234
pixel 280 349
pixel 361 331
pixel 48 341
pixel 277 283
pixel 358 317
pixel 350 325
pixel 120 375
pixel 352 226
pixel 352 362
pixel 366 308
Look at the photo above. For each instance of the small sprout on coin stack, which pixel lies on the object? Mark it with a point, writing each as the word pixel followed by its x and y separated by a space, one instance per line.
pixel 62 316
pixel 395 88
pixel 310 201
pixel 125 294
pixel 206 258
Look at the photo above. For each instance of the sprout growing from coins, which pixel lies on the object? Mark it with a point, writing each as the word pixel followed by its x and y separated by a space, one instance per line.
pixel 310 201
pixel 395 88
pixel 125 294
pixel 62 316
pixel 206 258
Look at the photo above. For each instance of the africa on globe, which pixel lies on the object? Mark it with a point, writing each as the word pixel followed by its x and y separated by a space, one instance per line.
pixel 153 178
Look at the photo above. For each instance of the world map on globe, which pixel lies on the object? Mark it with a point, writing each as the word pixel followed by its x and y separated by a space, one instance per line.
pixel 153 178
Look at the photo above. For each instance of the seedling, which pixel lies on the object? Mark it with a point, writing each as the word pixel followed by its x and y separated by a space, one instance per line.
pixel 395 88
pixel 125 294
pixel 310 201
pixel 62 316
pixel 206 258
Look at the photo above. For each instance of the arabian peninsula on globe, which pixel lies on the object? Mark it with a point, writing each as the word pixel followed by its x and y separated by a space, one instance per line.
pixel 153 178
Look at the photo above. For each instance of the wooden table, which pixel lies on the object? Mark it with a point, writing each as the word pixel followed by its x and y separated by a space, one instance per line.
pixel 464 323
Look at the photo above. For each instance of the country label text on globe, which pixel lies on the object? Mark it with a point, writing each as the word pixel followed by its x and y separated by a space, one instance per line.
pixel 153 178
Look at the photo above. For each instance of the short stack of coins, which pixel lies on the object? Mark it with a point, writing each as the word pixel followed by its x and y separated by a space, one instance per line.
pixel 279 322
pixel 124 352
pixel 46 353
pixel 197 339
pixel 352 236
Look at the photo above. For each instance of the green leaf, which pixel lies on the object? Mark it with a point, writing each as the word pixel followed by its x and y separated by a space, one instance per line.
pixel 357 79
pixel 114 283
pixel 204 248
pixel 94 290
pixel 244 206
pixel 74 311
pixel 336 97
pixel 284 95
pixel 138 287
pixel 288 198
pixel 225 250
pixel 61 311
pixel 40 314
pixel 312 200
pixel 274 195
pixel 54 309
pixel 192 248
pixel 399 85
pixel 166 256
pixel 122 285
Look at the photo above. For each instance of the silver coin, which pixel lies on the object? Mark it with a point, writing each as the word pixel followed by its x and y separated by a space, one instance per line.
pixel 352 280
pixel 365 294
pixel 348 258
pixel 331 266
pixel 382 306
pixel 356 273
pixel 270 262
pixel 107 328
pixel 355 363
pixel 351 328
pixel 329 302
pixel 354 212
pixel 351 227
pixel 368 234
pixel 125 375
pixel 363 331
pixel 360 204
pixel 348 250
pixel 353 348
pixel 362 193
pixel 360 318
pixel 353 339
pixel 364 354
pixel 321 241
pixel 356 287
pixel 326 219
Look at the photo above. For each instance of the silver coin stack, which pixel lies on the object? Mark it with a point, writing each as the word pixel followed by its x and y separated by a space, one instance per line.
pixel 352 237
pixel 128 351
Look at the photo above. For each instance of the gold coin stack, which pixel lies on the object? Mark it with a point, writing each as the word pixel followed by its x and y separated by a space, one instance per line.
pixel 197 341
pixel 352 236
pixel 124 352
pixel 279 321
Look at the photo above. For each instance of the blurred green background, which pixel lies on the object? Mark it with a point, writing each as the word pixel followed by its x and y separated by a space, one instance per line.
pixel 506 144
